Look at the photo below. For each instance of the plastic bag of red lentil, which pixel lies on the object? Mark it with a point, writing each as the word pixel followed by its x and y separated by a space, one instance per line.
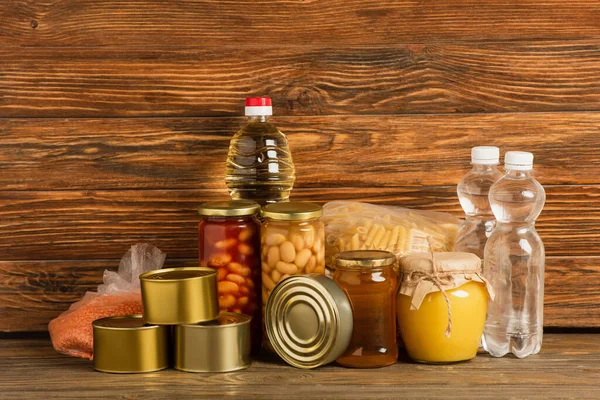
pixel 72 332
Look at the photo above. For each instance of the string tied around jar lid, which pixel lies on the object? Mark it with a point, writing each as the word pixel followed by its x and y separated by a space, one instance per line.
pixel 425 273
pixel 439 278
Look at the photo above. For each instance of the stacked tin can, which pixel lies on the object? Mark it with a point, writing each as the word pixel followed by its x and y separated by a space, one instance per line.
pixel 201 338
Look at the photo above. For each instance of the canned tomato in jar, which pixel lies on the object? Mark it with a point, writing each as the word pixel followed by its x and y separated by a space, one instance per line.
pixel 229 241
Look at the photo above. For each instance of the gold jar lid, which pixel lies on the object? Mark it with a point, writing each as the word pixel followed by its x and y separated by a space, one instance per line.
pixel 220 345
pixel 174 296
pixel 292 211
pixel 127 345
pixel 308 320
pixel 231 208
pixel 364 259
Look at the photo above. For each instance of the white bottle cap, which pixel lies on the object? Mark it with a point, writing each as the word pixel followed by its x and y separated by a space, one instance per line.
pixel 518 160
pixel 257 106
pixel 485 155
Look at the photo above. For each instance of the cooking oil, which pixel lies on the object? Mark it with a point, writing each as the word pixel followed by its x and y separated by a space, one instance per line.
pixel 259 163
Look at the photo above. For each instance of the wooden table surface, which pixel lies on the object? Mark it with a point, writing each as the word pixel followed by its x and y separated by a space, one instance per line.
pixel 567 367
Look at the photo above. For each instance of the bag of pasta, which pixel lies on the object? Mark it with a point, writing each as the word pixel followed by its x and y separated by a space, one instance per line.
pixel 351 225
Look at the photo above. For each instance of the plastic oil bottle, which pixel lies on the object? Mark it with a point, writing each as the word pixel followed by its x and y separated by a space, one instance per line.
pixel 259 163
pixel 514 262
pixel 473 192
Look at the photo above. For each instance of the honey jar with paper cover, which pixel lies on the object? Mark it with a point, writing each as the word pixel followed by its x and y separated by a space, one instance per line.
pixel 441 306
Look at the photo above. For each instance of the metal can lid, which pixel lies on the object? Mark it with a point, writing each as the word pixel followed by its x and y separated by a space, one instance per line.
pixel 308 320
pixel 364 258
pixel 126 323
pixel 231 208
pixel 292 211
pixel 177 274
pixel 224 319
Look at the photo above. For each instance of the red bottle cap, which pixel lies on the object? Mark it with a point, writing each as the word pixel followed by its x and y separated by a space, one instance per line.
pixel 258 106
pixel 258 101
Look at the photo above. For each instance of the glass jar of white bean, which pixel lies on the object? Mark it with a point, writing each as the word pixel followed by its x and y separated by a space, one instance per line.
pixel 292 243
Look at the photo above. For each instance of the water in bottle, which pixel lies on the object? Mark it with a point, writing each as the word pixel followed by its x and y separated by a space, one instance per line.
pixel 259 163
pixel 473 192
pixel 514 262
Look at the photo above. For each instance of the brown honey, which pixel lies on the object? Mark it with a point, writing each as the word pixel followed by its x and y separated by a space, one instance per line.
pixel 372 293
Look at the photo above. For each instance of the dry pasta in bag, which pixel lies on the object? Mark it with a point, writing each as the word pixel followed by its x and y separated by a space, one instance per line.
pixel 351 225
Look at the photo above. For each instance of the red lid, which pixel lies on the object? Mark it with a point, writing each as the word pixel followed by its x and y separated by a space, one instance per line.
pixel 258 101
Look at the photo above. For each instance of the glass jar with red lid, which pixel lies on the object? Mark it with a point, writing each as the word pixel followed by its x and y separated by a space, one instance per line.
pixel 229 241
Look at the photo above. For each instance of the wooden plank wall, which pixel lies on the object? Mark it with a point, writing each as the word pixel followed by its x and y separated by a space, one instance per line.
pixel 115 118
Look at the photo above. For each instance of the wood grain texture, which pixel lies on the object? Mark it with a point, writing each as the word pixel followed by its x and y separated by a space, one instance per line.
pixel 34 292
pixel 76 225
pixel 567 367
pixel 115 119
pixel 217 23
pixel 190 153
pixel 416 78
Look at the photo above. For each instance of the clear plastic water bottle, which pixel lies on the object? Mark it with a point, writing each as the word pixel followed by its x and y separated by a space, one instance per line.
pixel 514 262
pixel 473 192
pixel 259 163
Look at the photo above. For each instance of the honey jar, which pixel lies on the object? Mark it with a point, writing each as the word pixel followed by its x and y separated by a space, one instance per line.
pixel 369 279
pixel 441 306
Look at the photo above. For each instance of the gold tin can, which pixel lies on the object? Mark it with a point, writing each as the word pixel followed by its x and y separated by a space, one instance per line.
pixel 222 345
pixel 180 295
pixel 127 345
pixel 308 320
